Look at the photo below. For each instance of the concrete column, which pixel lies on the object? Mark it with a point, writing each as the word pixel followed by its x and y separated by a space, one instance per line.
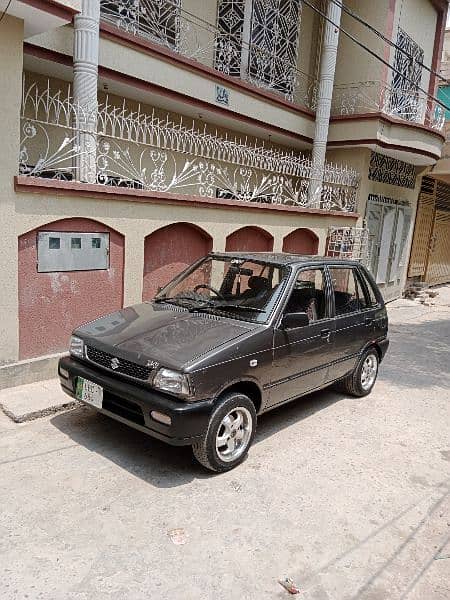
pixel 85 83
pixel 11 52
pixel 324 97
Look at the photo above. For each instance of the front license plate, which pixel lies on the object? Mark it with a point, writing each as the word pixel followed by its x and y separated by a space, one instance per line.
pixel 89 392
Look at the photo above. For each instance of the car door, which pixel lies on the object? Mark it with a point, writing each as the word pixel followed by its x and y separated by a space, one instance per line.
pixel 301 355
pixel 354 318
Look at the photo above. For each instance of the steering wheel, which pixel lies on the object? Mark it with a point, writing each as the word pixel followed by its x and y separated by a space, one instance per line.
pixel 208 287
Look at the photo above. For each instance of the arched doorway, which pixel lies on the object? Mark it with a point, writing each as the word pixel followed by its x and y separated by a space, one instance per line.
pixel 301 241
pixel 169 250
pixel 70 272
pixel 249 239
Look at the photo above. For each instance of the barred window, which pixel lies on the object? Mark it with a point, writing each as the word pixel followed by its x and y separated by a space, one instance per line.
pixel 405 84
pixel 259 39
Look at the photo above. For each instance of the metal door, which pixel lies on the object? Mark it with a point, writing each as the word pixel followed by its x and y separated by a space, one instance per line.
pixel 389 223
pixel 438 269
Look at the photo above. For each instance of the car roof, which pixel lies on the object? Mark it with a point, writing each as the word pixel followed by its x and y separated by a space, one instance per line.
pixel 284 258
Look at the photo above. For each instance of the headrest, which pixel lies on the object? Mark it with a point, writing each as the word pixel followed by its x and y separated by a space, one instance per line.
pixel 255 282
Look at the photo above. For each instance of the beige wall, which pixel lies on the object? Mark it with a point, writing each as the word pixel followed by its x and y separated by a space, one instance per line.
pixel 10 86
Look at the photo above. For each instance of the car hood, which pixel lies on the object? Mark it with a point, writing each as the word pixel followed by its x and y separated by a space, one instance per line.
pixel 171 336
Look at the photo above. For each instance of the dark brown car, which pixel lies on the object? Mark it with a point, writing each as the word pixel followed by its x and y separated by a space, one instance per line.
pixel 231 337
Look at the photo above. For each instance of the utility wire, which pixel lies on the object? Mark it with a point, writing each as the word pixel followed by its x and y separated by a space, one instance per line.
pixel 375 55
pixel 384 38
pixel 5 11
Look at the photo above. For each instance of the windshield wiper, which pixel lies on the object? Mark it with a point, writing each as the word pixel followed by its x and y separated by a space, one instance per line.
pixel 227 306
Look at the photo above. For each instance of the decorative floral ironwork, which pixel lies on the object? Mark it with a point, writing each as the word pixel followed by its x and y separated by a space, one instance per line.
pixel 143 151
pixel 375 96
pixel 391 170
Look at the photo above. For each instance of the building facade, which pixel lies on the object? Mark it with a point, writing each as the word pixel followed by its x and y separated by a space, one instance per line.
pixel 139 135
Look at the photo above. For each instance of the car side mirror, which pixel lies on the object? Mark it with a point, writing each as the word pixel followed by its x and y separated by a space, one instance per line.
pixel 294 320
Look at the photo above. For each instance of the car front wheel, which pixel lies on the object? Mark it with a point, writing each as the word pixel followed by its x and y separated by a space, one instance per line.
pixel 229 435
pixel 361 381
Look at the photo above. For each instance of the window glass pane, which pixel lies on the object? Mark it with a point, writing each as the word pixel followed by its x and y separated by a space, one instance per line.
pixel 372 297
pixel 75 243
pixel 96 242
pixel 348 293
pixel 308 295
pixel 54 243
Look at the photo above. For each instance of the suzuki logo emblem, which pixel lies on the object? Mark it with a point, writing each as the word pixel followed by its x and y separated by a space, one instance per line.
pixel 115 363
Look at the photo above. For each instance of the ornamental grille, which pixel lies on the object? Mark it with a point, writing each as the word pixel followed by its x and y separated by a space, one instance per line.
pixel 349 242
pixel 124 367
pixel 230 24
pixel 407 60
pixel 392 171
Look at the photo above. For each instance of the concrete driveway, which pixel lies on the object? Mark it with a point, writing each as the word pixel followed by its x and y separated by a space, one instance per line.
pixel 350 498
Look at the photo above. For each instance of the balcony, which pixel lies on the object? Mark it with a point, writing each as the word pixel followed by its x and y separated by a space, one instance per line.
pixel 364 97
pixel 264 62
pixel 139 149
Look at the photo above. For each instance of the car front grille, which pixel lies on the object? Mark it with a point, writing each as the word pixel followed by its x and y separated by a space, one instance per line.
pixel 117 365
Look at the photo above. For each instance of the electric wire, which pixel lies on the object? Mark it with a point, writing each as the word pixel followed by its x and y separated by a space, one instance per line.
pixel 375 55
pixel 378 33
pixel 5 11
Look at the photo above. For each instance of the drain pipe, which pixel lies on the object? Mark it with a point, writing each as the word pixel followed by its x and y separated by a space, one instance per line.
pixel 85 83
pixel 324 97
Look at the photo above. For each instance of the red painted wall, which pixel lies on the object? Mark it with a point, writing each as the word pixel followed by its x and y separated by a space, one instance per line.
pixel 51 305
pixel 168 251
pixel 249 239
pixel 301 241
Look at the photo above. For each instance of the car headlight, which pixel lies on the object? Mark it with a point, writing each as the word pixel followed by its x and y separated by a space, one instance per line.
pixel 172 382
pixel 76 347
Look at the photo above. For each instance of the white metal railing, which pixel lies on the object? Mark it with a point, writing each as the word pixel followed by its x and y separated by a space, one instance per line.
pixel 138 149
pixel 263 65
pixel 375 96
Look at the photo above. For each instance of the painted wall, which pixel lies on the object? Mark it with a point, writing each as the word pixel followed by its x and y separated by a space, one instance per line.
pixel 301 241
pixel 11 42
pixel 168 251
pixel 249 239
pixel 51 305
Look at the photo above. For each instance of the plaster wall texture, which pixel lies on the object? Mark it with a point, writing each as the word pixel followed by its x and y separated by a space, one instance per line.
pixel 11 40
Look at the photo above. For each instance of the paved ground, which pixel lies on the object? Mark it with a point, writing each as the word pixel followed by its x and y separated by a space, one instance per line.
pixel 350 498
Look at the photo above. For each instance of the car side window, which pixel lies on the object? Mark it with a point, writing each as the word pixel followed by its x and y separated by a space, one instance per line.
pixel 348 292
pixel 369 287
pixel 308 295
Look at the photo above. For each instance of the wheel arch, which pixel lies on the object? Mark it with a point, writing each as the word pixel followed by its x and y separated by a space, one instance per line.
pixel 248 387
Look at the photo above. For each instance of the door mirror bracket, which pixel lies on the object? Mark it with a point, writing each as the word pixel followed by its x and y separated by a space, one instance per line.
pixel 294 320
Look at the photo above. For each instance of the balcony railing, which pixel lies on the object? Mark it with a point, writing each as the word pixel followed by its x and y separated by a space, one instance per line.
pixel 136 149
pixel 165 23
pixel 376 97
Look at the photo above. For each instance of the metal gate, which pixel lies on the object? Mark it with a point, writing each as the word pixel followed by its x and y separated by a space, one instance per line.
pixel 389 222
pixel 430 254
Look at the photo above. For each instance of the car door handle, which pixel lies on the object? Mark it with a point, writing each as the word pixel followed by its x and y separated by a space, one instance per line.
pixel 325 334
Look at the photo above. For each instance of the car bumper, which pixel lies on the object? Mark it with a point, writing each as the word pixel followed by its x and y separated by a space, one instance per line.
pixel 383 345
pixel 132 404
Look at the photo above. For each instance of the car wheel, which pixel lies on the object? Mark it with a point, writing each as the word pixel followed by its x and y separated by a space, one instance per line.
pixel 361 381
pixel 230 433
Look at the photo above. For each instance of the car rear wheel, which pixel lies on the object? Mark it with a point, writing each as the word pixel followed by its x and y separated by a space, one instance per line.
pixel 361 381
pixel 229 435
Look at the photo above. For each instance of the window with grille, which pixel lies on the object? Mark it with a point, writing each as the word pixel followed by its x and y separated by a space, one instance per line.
pixel 158 20
pixel 259 39
pixel 274 43
pixel 405 84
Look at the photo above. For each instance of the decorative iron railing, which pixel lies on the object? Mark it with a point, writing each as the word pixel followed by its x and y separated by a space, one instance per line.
pixel 136 149
pixel 375 96
pixel 269 63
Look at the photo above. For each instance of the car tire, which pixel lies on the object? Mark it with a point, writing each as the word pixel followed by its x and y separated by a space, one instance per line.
pixel 230 434
pixel 361 380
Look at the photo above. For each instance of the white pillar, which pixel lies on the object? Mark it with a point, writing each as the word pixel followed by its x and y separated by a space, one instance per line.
pixel 85 83
pixel 324 97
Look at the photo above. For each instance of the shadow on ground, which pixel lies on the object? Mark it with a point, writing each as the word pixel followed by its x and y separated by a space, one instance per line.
pixel 158 463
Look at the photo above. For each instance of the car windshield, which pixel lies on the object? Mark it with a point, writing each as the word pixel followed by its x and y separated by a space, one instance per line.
pixel 236 287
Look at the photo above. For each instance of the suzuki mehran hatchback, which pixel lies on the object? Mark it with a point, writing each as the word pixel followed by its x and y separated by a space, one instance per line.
pixel 231 337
